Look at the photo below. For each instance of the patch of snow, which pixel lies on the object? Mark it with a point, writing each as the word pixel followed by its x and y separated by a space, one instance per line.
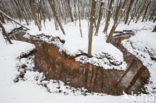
pixel 136 26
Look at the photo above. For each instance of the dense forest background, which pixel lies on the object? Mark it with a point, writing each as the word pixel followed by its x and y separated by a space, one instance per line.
pixel 72 10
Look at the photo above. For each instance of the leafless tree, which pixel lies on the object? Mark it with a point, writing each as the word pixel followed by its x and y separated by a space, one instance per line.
pixel 92 19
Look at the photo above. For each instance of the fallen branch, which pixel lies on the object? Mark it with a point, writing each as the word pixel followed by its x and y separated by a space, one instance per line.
pixel 13 20
pixel 5 35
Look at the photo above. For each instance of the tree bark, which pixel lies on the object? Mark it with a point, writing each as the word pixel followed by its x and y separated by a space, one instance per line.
pixel 55 15
pixel 141 11
pixel 35 17
pixel 154 30
pixel 2 18
pixel 99 19
pixel 70 12
pixel 92 19
pixel 118 14
pixel 129 8
pixel 108 16
pixel 79 17
pixel 111 34
pixel 146 11
pixel 4 33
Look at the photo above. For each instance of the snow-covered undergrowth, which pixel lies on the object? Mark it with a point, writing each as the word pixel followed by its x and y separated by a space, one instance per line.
pixel 143 46
pixel 103 54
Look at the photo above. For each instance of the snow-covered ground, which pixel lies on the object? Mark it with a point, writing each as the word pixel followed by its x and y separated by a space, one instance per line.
pixel 30 90
pixel 75 44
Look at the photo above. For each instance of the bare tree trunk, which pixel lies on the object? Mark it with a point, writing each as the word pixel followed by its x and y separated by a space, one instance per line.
pixel 35 17
pixel 39 11
pixel 129 8
pixel 92 19
pixel 75 9
pixel 55 15
pixel 4 33
pixel 154 20
pixel 63 10
pixel 115 24
pixel 146 11
pixel 108 16
pixel 154 30
pixel 99 19
pixel 111 33
pixel 79 17
pixel 118 14
pixel 13 19
pixel 134 11
pixel 137 18
pixel 2 18
pixel 56 25
pixel 70 12
pixel 152 14
pixel 60 9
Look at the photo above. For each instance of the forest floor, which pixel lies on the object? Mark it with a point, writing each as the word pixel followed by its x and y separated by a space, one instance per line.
pixel 30 90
